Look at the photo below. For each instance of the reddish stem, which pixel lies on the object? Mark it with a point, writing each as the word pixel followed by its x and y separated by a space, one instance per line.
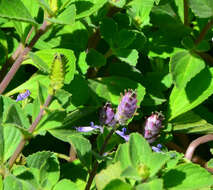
pixel 31 129
pixel 20 58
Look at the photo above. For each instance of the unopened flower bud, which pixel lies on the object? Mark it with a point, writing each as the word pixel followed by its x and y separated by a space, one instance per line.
pixel 153 126
pixel 107 115
pixel 127 107
pixel 143 171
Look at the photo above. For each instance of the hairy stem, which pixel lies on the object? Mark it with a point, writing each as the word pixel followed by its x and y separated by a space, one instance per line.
pixel 194 144
pixel 95 166
pixel 204 31
pixel 186 12
pixel 31 129
pixel 20 58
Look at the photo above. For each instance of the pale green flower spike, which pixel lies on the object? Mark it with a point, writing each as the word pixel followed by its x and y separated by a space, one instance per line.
pixel 57 73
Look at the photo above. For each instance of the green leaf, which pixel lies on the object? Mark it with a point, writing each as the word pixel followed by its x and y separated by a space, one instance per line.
pixel 191 122
pixel 110 88
pixel 156 162
pixel 131 173
pixel 51 120
pixel 37 160
pixel 183 100
pixel 12 137
pixel 187 176
pixel 112 172
pixel 65 184
pixel 39 63
pixel 12 183
pixel 31 85
pixel 95 59
pixel 88 7
pixel 139 149
pixel 184 66
pixel 127 55
pixel 82 64
pixel 83 148
pixel 210 163
pixel 155 184
pixel 180 7
pixel 66 17
pixel 47 56
pixel 15 10
pixel 117 184
pixel 16 116
pixel 108 30
pixel 202 9
pixel 122 155
pixel 45 168
pixel 125 38
pixel 140 10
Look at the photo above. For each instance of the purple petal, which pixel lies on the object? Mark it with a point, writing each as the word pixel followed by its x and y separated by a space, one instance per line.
pixel 23 95
pixel 122 134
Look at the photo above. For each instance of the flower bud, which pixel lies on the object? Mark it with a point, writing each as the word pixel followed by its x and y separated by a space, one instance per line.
pixel 23 95
pixel 127 107
pixel 153 126
pixel 143 171
pixel 107 115
pixel 57 72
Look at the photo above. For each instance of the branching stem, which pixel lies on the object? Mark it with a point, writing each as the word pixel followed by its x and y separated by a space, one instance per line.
pixel 31 129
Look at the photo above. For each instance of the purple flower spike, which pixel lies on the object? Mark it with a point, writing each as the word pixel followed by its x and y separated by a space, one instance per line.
pixel 153 126
pixel 157 148
pixel 89 128
pixel 23 95
pixel 123 134
pixel 107 115
pixel 127 107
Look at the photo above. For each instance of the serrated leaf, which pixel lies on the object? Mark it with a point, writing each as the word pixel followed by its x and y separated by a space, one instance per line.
pixel 113 171
pixel 183 100
pixel 66 17
pixel 117 184
pixel 187 176
pixel 190 122
pixel 15 10
pixel 156 184
pixel 95 59
pixel 184 66
pixel 129 56
pixel 110 88
pixel 39 63
pixel 16 116
pixel 122 155
pixel 47 56
pixel 86 8
pixel 31 85
pixel 65 184
pixel 139 149
pixel 202 9
pixel 140 10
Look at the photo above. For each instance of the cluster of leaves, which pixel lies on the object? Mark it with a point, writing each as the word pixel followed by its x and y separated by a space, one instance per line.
pixel 159 48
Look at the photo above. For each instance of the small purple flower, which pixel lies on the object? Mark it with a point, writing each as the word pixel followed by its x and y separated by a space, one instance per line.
pixel 23 95
pixel 89 128
pixel 157 148
pixel 123 134
pixel 153 126
pixel 127 107
pixel 107 115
